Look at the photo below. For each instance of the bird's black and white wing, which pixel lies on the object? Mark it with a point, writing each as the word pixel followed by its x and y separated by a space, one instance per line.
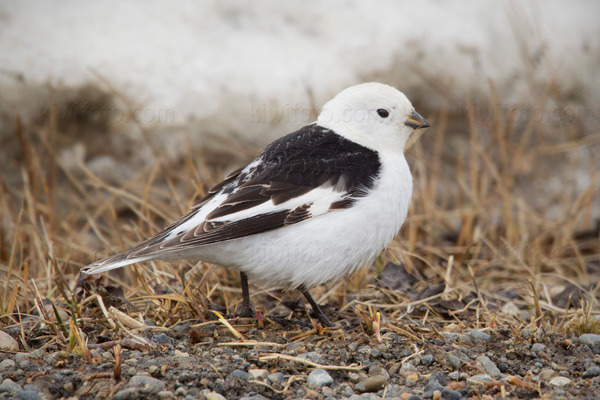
pixel 305 174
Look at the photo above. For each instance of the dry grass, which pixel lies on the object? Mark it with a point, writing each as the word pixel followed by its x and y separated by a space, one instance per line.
pixel 496 216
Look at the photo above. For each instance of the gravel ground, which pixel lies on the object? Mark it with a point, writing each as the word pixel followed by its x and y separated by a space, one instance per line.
pixel 278 362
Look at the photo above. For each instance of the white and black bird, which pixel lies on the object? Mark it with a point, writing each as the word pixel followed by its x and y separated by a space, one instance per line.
pixel 314 206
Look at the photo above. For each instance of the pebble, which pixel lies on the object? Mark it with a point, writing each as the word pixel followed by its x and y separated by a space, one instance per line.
pixel 9 386
pixel 448 394
pixel 313 356
pixel 371 384
pixel 414 397
pixel 478 336
pixel 590 339
pixel 560 382
pixel 7 364
pixel 214 396
pixel 450 336
pixel 538 347
pixel 20 357
pixel 454 375
pixel 126 394
pixel 140 381
pixel 482 378
pixel 7 342
pixel 454 361
pixel 258 373
pixel 591 372
pixel 162 338
pixel 239 374
pixel 276 378
pixel 166 395
pixel 427 359
pixel 489 367
pixel 255 397
pixel 319 377
pixel 28 395
pixel 328 392
pixel 546 374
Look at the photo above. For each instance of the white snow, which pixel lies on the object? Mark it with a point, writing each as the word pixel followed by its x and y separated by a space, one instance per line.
pixel 232 63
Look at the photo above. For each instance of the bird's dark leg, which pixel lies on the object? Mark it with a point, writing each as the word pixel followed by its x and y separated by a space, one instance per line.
pixel 316 309
pixel 246 309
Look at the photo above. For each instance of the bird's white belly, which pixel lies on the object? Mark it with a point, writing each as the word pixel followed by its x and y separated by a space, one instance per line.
pixel 327 247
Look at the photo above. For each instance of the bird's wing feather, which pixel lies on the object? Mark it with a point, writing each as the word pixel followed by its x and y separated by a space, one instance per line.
pixel 303 175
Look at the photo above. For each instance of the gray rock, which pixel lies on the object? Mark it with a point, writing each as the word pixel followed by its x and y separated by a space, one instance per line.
pixel 255 397
pixel 20 357
pixel 368 396
pixel 478 336
pixel 152 384
pixel 319 377
pixel 560 382
pixel 538 347
pixel 454 361
pixel 239 374
pixel 427 359
pixel 454 375
pixel 259 373
pixel 450 336
pixel 481 378
pixel 371 384
pixel 590 339
pixel 163 338
pixel 166 395
pixel 276 378
pixel 127 394
pixel 313 356
pixel 431 387
pixel 591 372
pixel 8 386
pixel 525 333
pixel 7 364
pixel 29 395
pixel 489 367
pixel 448 394
pixel 7 342
pixel 414 397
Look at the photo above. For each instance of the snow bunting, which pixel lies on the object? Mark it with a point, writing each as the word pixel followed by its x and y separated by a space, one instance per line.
pixel 314 206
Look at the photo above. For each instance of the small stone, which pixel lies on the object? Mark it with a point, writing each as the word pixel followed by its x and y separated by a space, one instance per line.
pixel 489 367
pixel 427 359
pixel 481 378
pixel 538 347
pixel 154 385
pixel 7 342
pixel 454 375
pixel 214 396
pixel 127 394
pixel 255 397
pixel 319 377
pixel 163 338
pixel 239 374
pixel 407 369
pixel 546 374
pixel 478 336
pixel 20 357
pixel 371 384
pixel 181 354
pixel 328 392
pixel 414 397
pixel 166 395
pixel 258 373
pixel 313 356
pixel 29 395
pixel 525 333
pixel 368 396
pixel 8 386
pixel 591 372
pixel 277 378
pixel 69 387
pixel 180 391
pixel 450 336
pixel 590 339
pixel 7 364
pixel 153 369
pixel 448 394
pixel 560 382
pixel 454 361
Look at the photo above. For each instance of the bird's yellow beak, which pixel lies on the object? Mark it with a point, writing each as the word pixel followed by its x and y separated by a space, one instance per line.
pixel 415 121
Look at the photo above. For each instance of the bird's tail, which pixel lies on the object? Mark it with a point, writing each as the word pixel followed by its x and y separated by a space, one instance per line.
pixel 114 262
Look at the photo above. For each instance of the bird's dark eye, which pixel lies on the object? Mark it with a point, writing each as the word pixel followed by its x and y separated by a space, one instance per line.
pixel 383 113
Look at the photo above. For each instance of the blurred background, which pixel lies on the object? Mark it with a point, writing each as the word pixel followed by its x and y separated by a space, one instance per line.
pixel 116 115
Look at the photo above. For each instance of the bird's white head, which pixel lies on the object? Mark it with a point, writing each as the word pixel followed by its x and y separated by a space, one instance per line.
pixel 373 115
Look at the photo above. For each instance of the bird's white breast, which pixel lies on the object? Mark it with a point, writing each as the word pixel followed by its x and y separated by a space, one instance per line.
pixel 326 247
